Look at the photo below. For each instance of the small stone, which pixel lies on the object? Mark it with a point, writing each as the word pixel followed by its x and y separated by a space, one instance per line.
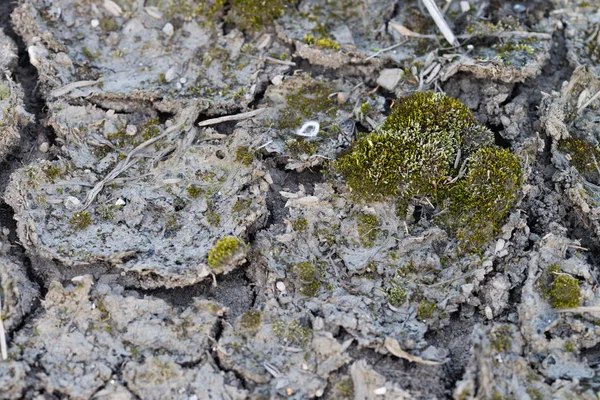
pixel 520 8
pixel 63 59
pixel 178 86
pixel 281 287
pixel 277 79
pixel 183 81
pixel 264 41
pixel 465 6
pixel 467 288
pixel 131 130
pixel 380 391
pixel 153 12
pixel 44 147
pixel 171 74
pixel 499 245
pixel 390 78
pixel 72 203
pixel 318 324
pixel 95 23
pixel 120 202
pixel 193 397
pixel 488 312
pixel 342 97
pixel 168 29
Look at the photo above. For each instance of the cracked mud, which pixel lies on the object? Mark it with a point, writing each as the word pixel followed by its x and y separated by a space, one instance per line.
pixel 219 200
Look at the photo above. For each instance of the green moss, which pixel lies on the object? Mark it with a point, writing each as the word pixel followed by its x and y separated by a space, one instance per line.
pixel 244 156
pixel 253 15
pixel 300 224
pixel 81 220
pixel 172 225
pixel 194 191
pixel 52 172
pixel 479 203
pixel 307 103
pixel 105 212
pixel 308 278
pixel 4 91
pixel 251 320
pixel 292 332
pixel 108 24
pixel 345 388
pixel 321 43
pixel 150 128
pixel 367 225
pixel 563 291
pixel 223 251
pixel 570 346
pixel 500 339
pixel 296 147
pixel 583 156
pixel 241 205
pixel 395 295
pixel 89 54
pixel 534 394
pixel 426 310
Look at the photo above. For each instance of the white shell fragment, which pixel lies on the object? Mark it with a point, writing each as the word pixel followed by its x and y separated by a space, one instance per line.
pixel 112 8
pixel 380 391
pixel 309 129
pixel 153 12
pixel 120 202
pixel 95 23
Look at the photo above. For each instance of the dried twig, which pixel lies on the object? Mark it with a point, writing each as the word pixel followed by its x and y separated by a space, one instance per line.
pixel 72 86
pixel 579 310
pixel 386 49
pixel 236 117
pixel 587 103
pixel 441 23
pixel 393 347
pixel 3 348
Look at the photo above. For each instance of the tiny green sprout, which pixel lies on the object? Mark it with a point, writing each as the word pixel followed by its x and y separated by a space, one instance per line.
pixel 297 147
pixel 89 55
pixel 223 251
pixel 500 339
pixel 570 346
pixel 194 191
pixel 308 277
pixel 367 229
pixel 81 220
pixel 395 295
pixel 300 224
pixel 108 24
pixel 52 172
pixel 244 156
pixel 251 320
pixel 426 310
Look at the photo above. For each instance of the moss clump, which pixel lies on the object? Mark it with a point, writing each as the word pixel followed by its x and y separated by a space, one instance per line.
pixel 367 229
pixel 561 289
pixel 321 43
pixel 251 320
pixel 150 128
pixel 296 147
pixel 308 278
pixel 52 172
pixel 307 103
pixel 244 156
pixel 223 251
pixel 87 53
pixel 292 332
pixel 4 91
pixel 300 224
pixel 395 295
pixel 241 205
pixel 583 156
pixel 570 346
pixel 108 24
pixel 253 15
pixel 500 339
pixel 479 203
pixel 426 310
pixel 81 220
pixel 194 191
pixel 432 147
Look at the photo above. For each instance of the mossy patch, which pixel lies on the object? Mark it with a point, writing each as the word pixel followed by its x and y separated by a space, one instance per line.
pixel 307 103
pixel 395 295
pixel 432 147
pixel 223 251
pixel 321 43
pixel 4 91
pixel 500 339
pixel 584 156
pixel 81 220
pixel 292 332
pixel 244 156
pixel 561 290
pixel 367 226
pixel 300 224
pixel 251 320
pixel 52 172
pixel 307 276
pixel 425 310
pixel 297 147
pixel 253 15
pixel 194 191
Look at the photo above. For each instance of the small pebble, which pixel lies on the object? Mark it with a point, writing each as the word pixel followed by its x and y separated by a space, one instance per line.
pixel 277 79
pixel 95 23
pixel 44 147
pixel 281 287
pixel 488 312
pixel 168 29
pixel 183 81
pixel 519 8
pixel 120 202
pixel 72 203
pixel 131 130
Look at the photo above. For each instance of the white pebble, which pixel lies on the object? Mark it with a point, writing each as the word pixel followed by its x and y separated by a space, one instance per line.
pixel 95 23
pixel 153 12
pixel 277 79
pixel 120 202
pixel 168 29
pixel 465 6
pixel 171 74
pixel 72 203
pixel 380 391
pixel 183 81
pixel 131 130
pixel 281 287
pixel 488 312
pixel 44 147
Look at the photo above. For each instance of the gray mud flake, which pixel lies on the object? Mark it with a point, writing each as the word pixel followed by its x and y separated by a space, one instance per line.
pixel 160 218
pixel 85 333
pixel 17 292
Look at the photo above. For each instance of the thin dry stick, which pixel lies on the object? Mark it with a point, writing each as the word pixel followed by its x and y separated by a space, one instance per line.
pixel 441 23
pixel 236 117
pixel 587 103
pixel 3 348
pixel 579 310
pixel 385 50
pixel 72 86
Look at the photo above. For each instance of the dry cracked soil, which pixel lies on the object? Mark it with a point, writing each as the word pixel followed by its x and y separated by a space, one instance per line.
pixel 183 212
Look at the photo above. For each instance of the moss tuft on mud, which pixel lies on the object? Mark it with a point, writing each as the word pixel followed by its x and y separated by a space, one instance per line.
pixel 223 251
pixel 308 278
pixel 251 320
pixel 244 156
pixel 367 225
pixel 432 147
pixel 561 289
pixel 583 156
pixel 307 103
pixel 81 220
